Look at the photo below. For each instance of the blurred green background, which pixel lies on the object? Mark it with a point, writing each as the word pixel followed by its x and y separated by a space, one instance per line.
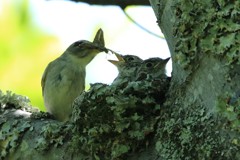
pixel 24 51
pixel 35 32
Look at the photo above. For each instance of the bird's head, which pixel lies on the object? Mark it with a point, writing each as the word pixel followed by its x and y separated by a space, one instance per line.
pixel 84 51
pixel 125 61
pixel 155 63
pixel 154 67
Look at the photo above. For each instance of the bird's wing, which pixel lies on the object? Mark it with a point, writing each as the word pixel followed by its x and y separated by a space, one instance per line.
pixel 44 76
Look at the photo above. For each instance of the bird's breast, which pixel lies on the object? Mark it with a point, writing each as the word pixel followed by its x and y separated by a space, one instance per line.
pixel 72 78
pixel 67 78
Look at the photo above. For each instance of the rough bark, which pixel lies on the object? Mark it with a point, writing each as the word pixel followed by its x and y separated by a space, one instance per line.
pixel 199 119
pixel 202 118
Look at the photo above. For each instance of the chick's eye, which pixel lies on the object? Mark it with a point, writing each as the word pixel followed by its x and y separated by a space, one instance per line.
pixel 149 65
pixel 130 59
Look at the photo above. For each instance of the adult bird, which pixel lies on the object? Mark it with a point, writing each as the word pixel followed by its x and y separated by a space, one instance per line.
pixel 64 78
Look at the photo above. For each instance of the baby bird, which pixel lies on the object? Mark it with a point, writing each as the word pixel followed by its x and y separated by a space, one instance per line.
pixel 153 68
pixel 153 73
pixel 64 78
pixel 127 66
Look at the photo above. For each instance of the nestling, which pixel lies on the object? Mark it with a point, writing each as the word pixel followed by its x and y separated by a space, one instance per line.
pixel 153 68
pixel 64 78
pixel 153 72
pixel 127 66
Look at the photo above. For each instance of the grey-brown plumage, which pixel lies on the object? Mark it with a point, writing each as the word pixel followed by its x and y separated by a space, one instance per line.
pixel 153 68
pixel 64 78
pixel 127 66
pixel 153 72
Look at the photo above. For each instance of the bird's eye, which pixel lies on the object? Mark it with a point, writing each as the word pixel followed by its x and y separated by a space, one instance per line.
pixel 130 59
pixel 149 65
pixel 79 43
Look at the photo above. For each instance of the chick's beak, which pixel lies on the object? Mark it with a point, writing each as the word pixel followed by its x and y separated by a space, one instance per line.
pixel 119 57
pixel 166 60
pixel 163 63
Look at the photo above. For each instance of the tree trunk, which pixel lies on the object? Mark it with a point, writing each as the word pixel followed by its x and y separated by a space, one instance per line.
pixel 202 109
pixel 198 120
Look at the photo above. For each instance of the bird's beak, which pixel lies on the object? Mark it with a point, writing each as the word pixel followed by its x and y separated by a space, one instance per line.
pixel 166 60
pixel 99 41
pixel 119 57
pixel 163 63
